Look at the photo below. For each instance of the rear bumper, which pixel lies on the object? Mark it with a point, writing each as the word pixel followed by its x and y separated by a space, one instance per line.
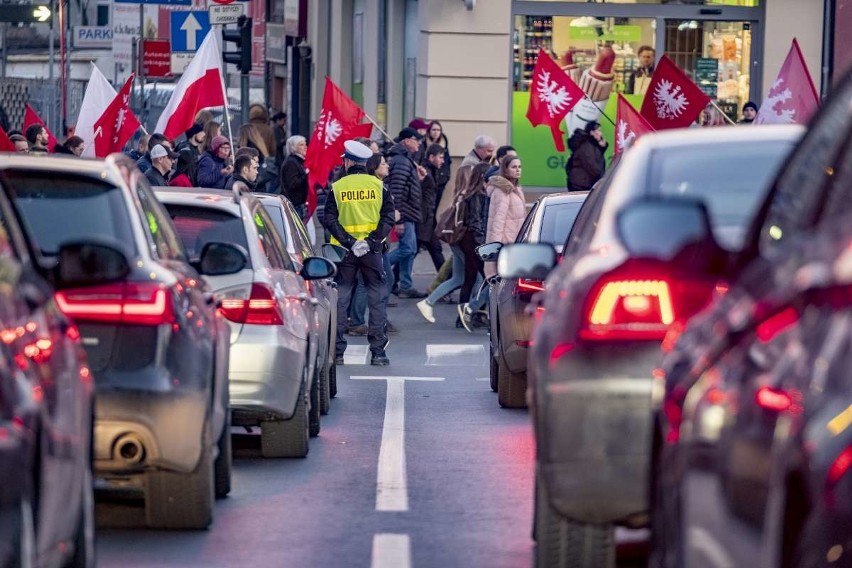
pixel 593 425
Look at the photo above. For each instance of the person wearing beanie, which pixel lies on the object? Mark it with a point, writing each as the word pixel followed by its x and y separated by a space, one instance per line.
pixel 195 139
pixel 214 167
pixel 749 113
pixel 586 164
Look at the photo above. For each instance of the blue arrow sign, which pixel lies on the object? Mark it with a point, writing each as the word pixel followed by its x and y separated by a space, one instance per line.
pixel 188 30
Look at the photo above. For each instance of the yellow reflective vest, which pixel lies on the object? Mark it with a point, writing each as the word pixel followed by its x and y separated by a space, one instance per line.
pixel 359 204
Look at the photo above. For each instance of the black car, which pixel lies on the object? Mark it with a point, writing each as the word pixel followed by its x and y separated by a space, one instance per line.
pixel 548 221
pixel 752 396
pixel 157 349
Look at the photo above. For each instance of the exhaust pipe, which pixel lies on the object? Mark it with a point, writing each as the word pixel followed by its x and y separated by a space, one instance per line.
pixel 130 449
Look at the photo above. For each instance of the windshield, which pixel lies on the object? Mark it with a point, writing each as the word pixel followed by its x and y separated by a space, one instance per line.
pixel 557 221
pixel 732 180
pixel 59 208
pixel 197 226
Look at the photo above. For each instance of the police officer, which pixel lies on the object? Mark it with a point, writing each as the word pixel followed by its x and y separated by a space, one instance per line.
pixel 359 214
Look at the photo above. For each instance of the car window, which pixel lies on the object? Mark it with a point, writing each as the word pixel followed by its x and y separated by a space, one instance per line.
pixel 57 209
pixel 524 232
pixel 557 220
pixel 731 179
pixel 8 247
pixel 197 226
pixel 277 215
pixel 269 240
pixel 165 242
pixel 296 221
pixel 587 217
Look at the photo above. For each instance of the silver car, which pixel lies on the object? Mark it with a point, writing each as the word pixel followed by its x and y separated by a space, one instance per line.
pixel 267 304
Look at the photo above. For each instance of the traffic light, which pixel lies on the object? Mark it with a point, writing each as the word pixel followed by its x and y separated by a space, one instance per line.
pixel 242 37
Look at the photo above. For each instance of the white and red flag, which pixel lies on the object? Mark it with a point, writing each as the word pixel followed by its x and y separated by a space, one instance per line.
pixel 629 125
pixel 99 93
pixel 31 117
pixel 672 99
pixel 552 95
pixel 117 123
pixel 339 121
pixel 792 97
pixel 201 86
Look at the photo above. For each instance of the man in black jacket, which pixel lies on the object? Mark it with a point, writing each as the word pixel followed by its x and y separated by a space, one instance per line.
pixel 162 159
pixel 426 238
pixel 404 182
pixel 294 177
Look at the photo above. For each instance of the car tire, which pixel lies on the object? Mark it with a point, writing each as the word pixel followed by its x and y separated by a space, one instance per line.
pixel 565 543
pixel 493 368
pixel 324 388
pixel 84 540
pixel 511 388
pixel 24 547
pixel 332 380
pixel 287 438
pixel 224 463
pixel 314 412
pixel 176 500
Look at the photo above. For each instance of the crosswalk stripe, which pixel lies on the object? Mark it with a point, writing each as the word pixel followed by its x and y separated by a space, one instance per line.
pixel 391 551
pixel 356 355
pixel 455 355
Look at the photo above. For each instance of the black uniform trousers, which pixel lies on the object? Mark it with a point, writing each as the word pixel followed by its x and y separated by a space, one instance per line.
pixel 372 270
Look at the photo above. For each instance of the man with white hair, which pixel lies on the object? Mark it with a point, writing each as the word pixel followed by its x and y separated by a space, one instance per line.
pixel 294 176
pixel 483 150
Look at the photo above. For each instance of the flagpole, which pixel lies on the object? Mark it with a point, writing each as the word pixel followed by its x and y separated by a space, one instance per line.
pixel 726 117
pixel 603 114
pixel 385 134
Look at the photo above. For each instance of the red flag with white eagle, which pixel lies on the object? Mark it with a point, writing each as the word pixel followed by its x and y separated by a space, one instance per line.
pixel 629 125
pixel 792 97
pixel 552 95
pixel 672 99
pixel 339 116
pixel 117 124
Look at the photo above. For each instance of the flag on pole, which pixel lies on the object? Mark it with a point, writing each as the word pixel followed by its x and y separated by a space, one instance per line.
pixel 99 93
pixel 117 123
pixel 201 86
pixel 552 95
pixel 792 97
pixel 629 124
pixel 6 145
pixel 31 117
pixel 672 100
pixel 338 121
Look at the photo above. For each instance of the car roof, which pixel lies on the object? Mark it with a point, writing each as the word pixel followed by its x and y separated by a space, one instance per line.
pixel 689 136
pixel 220 199
pixel 563 197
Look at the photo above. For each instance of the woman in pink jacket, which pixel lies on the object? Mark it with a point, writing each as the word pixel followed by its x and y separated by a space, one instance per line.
pixel 507 207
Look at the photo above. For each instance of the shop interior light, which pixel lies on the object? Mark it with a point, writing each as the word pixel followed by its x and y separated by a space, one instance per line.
pixel 586 22
pixel 690 25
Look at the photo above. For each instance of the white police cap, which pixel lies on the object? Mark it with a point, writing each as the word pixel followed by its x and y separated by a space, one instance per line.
pixel 356 151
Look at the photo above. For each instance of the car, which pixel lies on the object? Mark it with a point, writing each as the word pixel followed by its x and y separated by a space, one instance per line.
pixel 774 350
pixel 273 323
pixel 548 221
pixel 156 347
pixel 299 247
pixel 605 311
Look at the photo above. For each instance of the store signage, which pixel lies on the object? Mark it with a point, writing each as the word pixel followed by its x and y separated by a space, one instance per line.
pixel 291 17
pixel 156 58
pixel 276 43
pixel 707 75
pixel 616 33
pixel 87 37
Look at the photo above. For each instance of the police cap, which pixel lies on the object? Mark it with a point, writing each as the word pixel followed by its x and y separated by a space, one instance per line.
pixel 356 152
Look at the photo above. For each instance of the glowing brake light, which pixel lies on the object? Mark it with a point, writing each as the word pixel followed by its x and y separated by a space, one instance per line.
pixel 772 399
pixel 261 308
pixel 133 303
pixel 777 324
pixel 526 285
pixel 630 309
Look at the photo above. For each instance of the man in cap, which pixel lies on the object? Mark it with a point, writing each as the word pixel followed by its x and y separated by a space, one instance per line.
pixel 359 214
pixel 162 160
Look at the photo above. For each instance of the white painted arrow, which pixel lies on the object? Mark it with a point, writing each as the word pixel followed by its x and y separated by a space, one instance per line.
pixel 191 26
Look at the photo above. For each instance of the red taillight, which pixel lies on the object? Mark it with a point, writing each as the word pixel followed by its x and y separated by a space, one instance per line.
pixel 132 303
pixel 771 399
pixel 526 285
pixel 261 308
pixel 777 324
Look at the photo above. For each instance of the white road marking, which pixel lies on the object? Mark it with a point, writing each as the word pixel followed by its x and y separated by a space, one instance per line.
pixel 356 354
pixel 708 547
pixel 482 379
pixel 392 481
pixel 391 551
pixel 455 355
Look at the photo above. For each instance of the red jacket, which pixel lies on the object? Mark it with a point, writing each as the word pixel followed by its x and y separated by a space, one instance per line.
pixel 180 180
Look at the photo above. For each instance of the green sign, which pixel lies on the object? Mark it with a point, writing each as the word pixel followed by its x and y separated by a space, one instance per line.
pixel 616 33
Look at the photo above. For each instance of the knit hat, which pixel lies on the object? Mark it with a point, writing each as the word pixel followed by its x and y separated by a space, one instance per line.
pixel 217 142
pixel 750 105
pixel 592 125
pixel 193 130
pixel 418 123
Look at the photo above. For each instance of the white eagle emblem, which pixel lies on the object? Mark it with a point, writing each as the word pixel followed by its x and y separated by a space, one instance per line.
pixel 669 101
pixel 329 128
pixel 119 122
pixel 624 136
pixel 777 97
pixel 557 99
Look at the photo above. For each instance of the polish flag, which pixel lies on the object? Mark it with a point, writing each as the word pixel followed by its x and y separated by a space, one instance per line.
pixel 792 97
pixel 629 125
pixel 31 117
pixel 6 145
pixel 99 94
pixel 673 100
pixel 117 124
pixel 201 86
pixel 552 95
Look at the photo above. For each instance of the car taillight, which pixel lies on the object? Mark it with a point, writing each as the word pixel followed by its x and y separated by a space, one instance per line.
pixel 133 303
pixel 640 304
pixel 527 286
pixel 261 308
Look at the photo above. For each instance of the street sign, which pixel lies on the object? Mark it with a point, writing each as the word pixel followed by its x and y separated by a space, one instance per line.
pixel 24 13
pixel 225 14
pixel 188 30
pixel 156 58
pixel 93 36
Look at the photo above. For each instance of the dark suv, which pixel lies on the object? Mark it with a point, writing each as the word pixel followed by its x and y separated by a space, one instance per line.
pixel 157 349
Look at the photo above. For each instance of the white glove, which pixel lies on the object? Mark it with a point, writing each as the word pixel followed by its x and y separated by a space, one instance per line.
pixel 360 248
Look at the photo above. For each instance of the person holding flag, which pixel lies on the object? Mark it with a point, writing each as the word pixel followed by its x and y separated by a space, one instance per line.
pixel 586 164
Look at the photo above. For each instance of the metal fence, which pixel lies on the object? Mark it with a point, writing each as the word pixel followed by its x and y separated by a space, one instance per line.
pixel 44 96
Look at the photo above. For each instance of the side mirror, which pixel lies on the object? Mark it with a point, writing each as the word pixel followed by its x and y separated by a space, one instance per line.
pixel 334 253
pixel 489 251
pixel 219 259
pixel 665 228
pixel 317 268
pixel 526 260
pixel 90 263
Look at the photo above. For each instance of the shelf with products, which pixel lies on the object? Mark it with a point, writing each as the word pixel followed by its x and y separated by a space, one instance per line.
pixel 531 34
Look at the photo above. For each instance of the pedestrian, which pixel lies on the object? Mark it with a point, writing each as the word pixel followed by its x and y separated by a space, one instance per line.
pixel 749 113
pixel 359 214
pixel 37 138
pixel 212 129
pixel 180 177
pixel 144 162
pixel 214 167
pixel 475 197
pixel 195 141
pixel 586 164
pixel 279 129
pixel 433 162
pixel 422 128
pixel 245 174
pixel 294 175
pixel 404 182
pixel 640 78
pixel 162 159
pixel 20 142
pixel 436 135
pixel 141 148
pixel 259 118
pixel 483 149
pixel 73 146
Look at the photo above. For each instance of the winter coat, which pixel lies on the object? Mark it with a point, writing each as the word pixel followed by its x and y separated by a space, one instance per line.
pixel 209 172
pixel 586 164
pixel 294 180
pixel 241 183
pixel 155 178
pixel 471 159
pixel 506 213
pixel 404 184
pixel 180 180
pixel 443 175
pixel 473 217
pixel 144 163
pixel 426 226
